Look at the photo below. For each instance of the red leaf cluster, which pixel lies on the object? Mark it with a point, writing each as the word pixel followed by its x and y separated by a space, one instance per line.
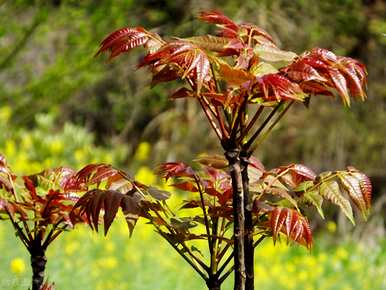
pixel 292 224
pixel 124 39
pixel 322 72
pixel 174 169
pixel 275 87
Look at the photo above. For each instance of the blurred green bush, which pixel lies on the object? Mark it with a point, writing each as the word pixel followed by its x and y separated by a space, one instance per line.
pixel 47 145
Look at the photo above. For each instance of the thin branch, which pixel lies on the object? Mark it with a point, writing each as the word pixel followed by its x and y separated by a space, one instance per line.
pixel 230 270
pixel 47 241
pixel 172 232
pixel 266 133
pixel 253 120
pixel 206 220
pixel 262 126
pixel 222 228
pixel 214 261
pixel 237 124
pixel 209 106
pixel 227 261
pixel 194 266
pixel 223 278
pixel 211 120
pixel 224 129
pixel 55 235
pixel 19 230
pixel 25 224
pixel 259 240
pixel 214 78
pixel 223 251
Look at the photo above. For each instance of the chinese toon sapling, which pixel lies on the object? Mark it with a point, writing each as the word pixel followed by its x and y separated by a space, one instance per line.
pixel 39 207
pixel 244 84
pixel 199 228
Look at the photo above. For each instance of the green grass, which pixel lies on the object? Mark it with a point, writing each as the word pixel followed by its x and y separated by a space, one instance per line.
pixel 86 261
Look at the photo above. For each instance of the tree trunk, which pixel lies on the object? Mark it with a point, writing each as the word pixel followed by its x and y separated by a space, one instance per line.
pixel 38 264
pixel 213 284
pixel 238 216
pixel 248 238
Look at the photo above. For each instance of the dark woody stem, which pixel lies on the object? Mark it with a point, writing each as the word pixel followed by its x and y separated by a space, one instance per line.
pixel 248 238
pixel 233 158
pixel 38 264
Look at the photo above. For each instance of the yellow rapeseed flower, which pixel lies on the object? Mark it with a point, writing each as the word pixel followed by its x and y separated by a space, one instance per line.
pixel 5 113
pixel 108 262
pixel 145 175
pixel 331 227
pixel 79 155
pixel 322 257
pixel 341 253
pixel 17 266
pixel 71 248
pixel 142 152
pixel 109 246
pixel 303 275
pixel 56 146
pixel 10 148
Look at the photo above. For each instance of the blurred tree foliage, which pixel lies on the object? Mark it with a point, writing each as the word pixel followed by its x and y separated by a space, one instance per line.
pixel 47 65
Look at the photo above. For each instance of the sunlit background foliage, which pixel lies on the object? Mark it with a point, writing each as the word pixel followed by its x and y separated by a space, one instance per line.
pixel 61 106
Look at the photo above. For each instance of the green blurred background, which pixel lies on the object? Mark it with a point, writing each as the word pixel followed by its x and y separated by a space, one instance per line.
pixel 61 106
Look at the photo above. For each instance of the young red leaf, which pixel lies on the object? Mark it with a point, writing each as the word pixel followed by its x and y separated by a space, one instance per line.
pixel 358 187
pixel 322 72
pixel 93 175
pixel 291 223
pixel 271 53
pixel 254 35
pixel 275 87
pixel 48 286
pixel 303 72
pixel 215 161
pixel 340 84
pixel 330 189
pixel 94 201
pixel 6 176
pixel 190 60
pixel 186 186
pixel 166 74
pixel 182 93
pixel 174 169
pixel 228 27
pixel 223 45
pixel 234 76
pixel 124 39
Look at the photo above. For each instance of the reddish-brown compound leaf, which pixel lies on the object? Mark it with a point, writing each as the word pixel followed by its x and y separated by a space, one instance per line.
pixel 93 175
pixel 48 286
pixel 330 189
pixel 186 186
pixel 182 93
pixel 215 161
pixel 234 76
pixel 124 39
pixel 229 28
pixel 174 169
pixel 192 61
pixel 322 72
pixel 291 223
pixel 94 201
pixel 6 176
pixel 275 87
pixel 358 187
